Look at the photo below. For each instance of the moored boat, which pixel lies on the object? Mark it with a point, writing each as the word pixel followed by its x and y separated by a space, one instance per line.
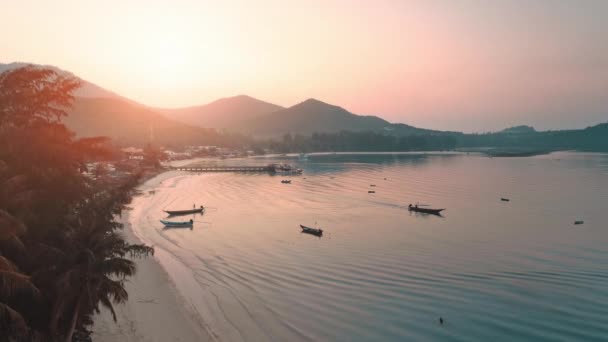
pixel 177 223
pixel 286 181
pixel 425 210
pixel 284 169
pixel 313 231
pixel 185 212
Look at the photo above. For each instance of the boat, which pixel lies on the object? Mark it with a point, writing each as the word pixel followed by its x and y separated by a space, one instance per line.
pixel 177 223
pixel 371 192
pixel 425 210
pixel 185 212
pixel 284 169
pixel 577 222
pixel 505 199
pixel 313 231
pixel 286 181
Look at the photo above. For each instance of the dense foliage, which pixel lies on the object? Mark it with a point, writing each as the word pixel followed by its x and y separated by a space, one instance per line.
pixel 61 254
pixel 590 139
pixel 358 141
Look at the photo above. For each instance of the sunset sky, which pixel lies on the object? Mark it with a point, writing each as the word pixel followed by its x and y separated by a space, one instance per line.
pixel 472 65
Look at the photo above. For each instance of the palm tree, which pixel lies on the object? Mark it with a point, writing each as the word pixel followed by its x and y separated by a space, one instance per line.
pixel 93 272
pixel 71 260
pixel 12 283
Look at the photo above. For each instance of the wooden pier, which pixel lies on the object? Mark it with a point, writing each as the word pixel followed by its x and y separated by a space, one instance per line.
pixel 225 168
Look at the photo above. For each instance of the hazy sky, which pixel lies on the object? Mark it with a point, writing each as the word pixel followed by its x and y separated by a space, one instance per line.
pixel 472 65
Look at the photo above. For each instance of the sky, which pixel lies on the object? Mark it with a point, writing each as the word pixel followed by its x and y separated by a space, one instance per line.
pixel 468 65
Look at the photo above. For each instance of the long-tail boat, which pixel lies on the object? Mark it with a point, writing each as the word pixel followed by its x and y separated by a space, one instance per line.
pixel 313 231
pixel 185 212
pixel 177 224
pixel 425 210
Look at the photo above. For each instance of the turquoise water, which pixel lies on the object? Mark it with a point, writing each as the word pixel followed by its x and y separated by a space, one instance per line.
pixel 501 271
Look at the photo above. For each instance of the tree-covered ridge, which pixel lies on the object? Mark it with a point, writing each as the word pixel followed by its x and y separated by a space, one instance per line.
pixel 589 139
pixel 61 254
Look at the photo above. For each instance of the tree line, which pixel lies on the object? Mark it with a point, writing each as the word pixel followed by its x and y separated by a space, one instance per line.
pixel 590 139
pixel 61 253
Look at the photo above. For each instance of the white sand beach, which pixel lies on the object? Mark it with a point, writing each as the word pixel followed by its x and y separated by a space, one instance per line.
pixel 155 311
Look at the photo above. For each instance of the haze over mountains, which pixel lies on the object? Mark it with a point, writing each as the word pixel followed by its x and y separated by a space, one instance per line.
pixel 131 124
pixel 87 89
pixel 100 112
pixel 128 121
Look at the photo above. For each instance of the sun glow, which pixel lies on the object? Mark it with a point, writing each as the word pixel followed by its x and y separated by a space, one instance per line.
pixel 164 60
pixel 157 51
pixel 411 61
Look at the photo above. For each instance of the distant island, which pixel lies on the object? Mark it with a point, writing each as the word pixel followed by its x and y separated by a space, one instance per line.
pixel 247 123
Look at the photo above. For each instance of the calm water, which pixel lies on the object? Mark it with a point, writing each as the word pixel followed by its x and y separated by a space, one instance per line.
pixel 502 271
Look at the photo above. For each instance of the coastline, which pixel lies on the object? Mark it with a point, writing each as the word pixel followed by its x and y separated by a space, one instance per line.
pixel 155 311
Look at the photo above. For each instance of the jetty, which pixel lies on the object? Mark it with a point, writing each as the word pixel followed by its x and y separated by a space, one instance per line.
pixel 223 168
pixel 272 168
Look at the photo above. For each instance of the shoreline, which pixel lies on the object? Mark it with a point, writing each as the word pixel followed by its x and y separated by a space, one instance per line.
pixel 155 310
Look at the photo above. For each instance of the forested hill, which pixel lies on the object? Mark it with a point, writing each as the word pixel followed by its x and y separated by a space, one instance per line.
pixel 314 116
pixel 589 139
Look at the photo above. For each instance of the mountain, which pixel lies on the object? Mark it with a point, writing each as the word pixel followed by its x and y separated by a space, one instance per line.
pixel 97 111
pixel 131 124
pixel 223 113
pixel 314 116
pixel 88 89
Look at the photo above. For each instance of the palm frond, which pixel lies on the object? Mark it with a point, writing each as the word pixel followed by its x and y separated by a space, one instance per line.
pixel 12 282
pixel 9 225
pixel 12 324
pixel 43 251
pixel 139 250
pixel 15 184
pixel 106 302
pixel 23 198
pixel 119 267
pixel 6 265
pixel 115 290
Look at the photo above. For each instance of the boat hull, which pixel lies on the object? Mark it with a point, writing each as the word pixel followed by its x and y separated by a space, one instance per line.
pixel 313 231
pixel 426 210
pixel 176 224
pixel 184 212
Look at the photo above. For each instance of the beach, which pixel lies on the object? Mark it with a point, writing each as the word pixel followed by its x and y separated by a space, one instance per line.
pixel 155 311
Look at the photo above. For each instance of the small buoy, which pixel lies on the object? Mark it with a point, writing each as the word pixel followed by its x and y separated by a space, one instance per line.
pixel 579 222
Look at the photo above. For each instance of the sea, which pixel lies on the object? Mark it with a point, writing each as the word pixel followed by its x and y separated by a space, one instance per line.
pixel 491 270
